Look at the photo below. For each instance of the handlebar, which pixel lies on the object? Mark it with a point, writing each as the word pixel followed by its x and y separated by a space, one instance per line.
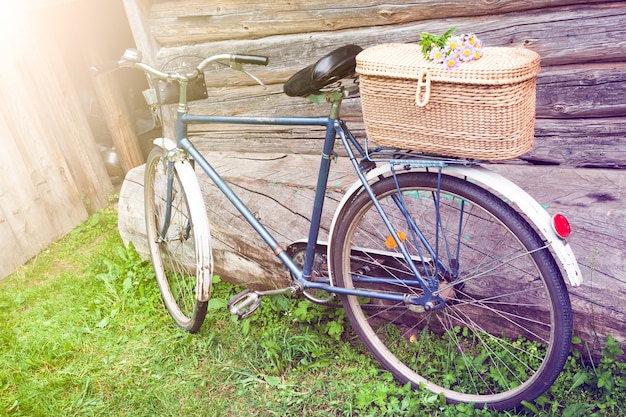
pixel 133 58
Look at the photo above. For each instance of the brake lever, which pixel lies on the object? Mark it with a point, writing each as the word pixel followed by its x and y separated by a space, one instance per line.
pixel 239 67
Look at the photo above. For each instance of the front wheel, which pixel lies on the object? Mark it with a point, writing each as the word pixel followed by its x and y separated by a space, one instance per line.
pixel 178 239
pixel 505 331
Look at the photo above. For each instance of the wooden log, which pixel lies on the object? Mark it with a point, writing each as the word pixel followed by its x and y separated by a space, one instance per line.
pixel 595 203
pixel 279 188
pixel 561 35
pixel 570 91
pixel 584 139
pixel 281 198
pixel 582 91
pixel 583 143
pixel 184 22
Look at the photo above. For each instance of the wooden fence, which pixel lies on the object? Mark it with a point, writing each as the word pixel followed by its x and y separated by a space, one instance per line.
pixel 52 174
pixel 576 165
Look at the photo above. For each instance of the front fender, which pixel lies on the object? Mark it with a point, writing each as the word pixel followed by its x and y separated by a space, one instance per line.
pixel 165 143
pixel 202 231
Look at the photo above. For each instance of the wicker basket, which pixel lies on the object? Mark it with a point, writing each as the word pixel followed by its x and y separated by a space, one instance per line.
pixel 483 109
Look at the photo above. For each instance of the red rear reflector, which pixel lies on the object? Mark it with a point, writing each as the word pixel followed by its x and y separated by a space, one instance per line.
pixel 561 226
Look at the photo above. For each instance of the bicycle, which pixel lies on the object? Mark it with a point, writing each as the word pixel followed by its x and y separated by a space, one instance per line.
pixel 446 270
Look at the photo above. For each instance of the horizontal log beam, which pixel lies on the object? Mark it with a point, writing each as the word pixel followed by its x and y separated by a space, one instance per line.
pixel 584 143
pixel 279 187
pixel 582 91
pixel 561 35
pixel 580 94
pixel 195 21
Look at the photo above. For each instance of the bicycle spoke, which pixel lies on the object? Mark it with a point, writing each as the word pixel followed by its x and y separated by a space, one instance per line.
pixel 505 325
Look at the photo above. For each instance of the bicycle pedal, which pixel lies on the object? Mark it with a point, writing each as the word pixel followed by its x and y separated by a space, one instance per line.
pixel 244 303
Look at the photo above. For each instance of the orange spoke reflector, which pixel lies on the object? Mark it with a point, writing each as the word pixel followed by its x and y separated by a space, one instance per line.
pixel 390 242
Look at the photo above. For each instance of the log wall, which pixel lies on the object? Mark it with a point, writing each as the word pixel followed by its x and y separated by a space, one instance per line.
pixel 576 165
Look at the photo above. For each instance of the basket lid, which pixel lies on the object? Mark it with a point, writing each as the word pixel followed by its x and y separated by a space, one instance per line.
pixel 497 66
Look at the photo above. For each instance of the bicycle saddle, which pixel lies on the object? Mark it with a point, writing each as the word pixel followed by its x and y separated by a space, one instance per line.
pixel 338 64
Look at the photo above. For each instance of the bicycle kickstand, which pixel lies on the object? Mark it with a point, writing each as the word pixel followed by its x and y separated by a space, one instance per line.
pixel 246 302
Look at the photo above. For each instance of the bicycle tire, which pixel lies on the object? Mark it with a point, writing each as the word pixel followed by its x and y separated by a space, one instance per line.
pixel 505 331
pixel 182 258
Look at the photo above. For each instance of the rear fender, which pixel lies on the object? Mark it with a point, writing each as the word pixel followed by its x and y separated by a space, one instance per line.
pixel 535 213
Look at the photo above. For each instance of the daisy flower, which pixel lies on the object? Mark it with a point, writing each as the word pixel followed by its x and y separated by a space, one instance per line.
pixel 470 38
pixel 437 55
pixel 466 53
pixel 454 43
pixel 478 43
pixel 452 61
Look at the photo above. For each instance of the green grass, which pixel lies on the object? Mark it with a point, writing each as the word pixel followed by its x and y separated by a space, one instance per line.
pixel 83 333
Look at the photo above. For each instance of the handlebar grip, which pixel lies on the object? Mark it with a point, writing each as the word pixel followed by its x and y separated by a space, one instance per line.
pixel 251 59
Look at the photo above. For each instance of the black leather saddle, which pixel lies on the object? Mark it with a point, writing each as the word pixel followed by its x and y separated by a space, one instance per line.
pixel 338 64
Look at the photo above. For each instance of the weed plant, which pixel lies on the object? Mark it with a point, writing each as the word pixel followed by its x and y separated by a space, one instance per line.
pixel 83 333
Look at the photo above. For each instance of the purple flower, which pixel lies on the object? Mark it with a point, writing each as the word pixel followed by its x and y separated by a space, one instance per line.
pixel 437 55
pixel 454 43
pixel 452 61
pixel 466 53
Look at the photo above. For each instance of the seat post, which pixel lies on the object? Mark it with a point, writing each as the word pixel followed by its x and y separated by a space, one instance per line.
pixel 333 97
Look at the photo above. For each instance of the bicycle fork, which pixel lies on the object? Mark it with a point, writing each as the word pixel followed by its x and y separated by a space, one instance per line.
pixel 169 199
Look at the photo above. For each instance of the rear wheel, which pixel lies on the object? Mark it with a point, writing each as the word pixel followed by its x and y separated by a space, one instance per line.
pixel 505 331
pixel 180 250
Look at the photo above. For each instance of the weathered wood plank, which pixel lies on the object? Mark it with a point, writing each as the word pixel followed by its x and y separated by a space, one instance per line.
pixel 561 35
pixel 582 91
pixel 137 12
pixel 281 198
pixel 69 125
pixel 591 143
pixel 183 22
pixel 580 142
pixel 18 208
pixel 39 198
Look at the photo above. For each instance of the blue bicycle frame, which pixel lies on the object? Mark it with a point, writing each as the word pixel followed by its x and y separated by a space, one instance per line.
pixel 334 128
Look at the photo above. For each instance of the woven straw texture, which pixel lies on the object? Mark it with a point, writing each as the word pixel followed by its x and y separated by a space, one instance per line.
pixel 483 109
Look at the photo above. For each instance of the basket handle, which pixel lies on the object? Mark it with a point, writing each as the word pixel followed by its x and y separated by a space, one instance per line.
pixel 422 94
